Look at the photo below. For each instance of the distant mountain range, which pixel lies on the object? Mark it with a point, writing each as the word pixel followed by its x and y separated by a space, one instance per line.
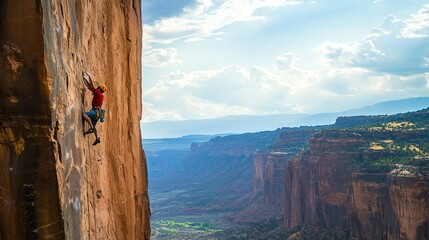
pixel 249 123
pixel 181 143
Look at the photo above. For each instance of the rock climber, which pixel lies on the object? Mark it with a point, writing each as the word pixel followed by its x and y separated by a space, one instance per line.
pixel 96 112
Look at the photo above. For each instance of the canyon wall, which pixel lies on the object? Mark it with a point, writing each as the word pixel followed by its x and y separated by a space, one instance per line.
pixel 289 143
pixel 317 181
pixel 389 207
pixel 268 177
pixel 273 191
pixel 260 160
pixel 266 200
pixel 53 183
pixel 331 185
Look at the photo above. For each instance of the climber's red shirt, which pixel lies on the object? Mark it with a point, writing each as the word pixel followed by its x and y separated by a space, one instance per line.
pixel 97 100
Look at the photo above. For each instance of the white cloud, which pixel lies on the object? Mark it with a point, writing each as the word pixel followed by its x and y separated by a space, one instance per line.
pixel 160 57
pixel 209 109
pixel 206 19
pixel 177 75
pixel 155 114
pixel 418 25
pixel 230 90
pixel 233 90
pixel 361 54
pixel 287 61
pixel 398 47
pixel 390 62
pixel 427 80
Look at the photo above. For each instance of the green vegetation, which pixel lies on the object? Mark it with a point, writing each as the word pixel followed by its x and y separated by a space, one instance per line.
pixel 400 139
pixel 397 126
pixel 272 229
pixel 419 121
pixel 206 227
pixel 389 144
pixel 398 152
pixel 169 229
pixel 390 161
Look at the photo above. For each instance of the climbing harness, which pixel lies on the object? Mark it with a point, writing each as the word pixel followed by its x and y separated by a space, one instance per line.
pixel 99 113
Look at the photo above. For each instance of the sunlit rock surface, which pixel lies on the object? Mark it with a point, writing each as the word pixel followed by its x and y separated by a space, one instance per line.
pixel 53 183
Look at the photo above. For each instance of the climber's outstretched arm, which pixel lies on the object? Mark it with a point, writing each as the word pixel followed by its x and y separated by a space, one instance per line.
pixel 87 80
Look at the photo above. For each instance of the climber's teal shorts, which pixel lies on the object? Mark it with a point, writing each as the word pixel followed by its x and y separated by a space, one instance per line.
pixel 93 115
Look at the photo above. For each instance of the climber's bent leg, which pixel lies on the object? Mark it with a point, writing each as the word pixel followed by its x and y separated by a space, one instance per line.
pixel 87 119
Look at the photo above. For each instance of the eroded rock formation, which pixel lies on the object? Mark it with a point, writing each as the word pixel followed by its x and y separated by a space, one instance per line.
pixel 274 179
pixel 53 182
pixel 328 187
pixel 260 160
pixel 266 201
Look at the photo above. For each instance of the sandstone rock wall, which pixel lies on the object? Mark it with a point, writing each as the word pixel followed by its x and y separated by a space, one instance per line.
pixel 316 191
pixel 269 166
pixel 266 201
pixel 259 166
pixel 274 191
pixel 54 183
pixel 409 208
pixel 368 199
pixel 322 188
pixel 389 207
pixel 269 177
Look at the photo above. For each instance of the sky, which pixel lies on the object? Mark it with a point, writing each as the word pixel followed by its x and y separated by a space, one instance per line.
pixel 212 58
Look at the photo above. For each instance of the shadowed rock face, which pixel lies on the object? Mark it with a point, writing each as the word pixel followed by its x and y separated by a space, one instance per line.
pixel 389 207
pixel 266 201
pixel 259 167
pixel 269 176
pixel 317 183
pixel 274 179
pixel 53 182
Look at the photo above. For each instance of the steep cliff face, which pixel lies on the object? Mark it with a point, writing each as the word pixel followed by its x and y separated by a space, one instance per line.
pixel 389 207
pixel 290 142
pixel 269 176
pixel 409 211
pixel 269 166
pixel 317 182
pixel 260 160
pixel 328 186
pixel 273 191
pixel 54 183
pixel 266 201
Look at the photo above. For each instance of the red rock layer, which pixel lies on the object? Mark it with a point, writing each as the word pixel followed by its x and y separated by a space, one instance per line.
pixel 54 183
pixel 318 180
pixel 274 191
pixel 269 176
pixel 259 166
pixel 322 189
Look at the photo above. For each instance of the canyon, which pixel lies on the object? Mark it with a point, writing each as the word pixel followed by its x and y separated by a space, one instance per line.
pixel 53 183
pixel 364 177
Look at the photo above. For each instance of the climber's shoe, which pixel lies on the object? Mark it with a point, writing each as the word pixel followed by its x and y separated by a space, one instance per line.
pixel 97 141
pixel 90 130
